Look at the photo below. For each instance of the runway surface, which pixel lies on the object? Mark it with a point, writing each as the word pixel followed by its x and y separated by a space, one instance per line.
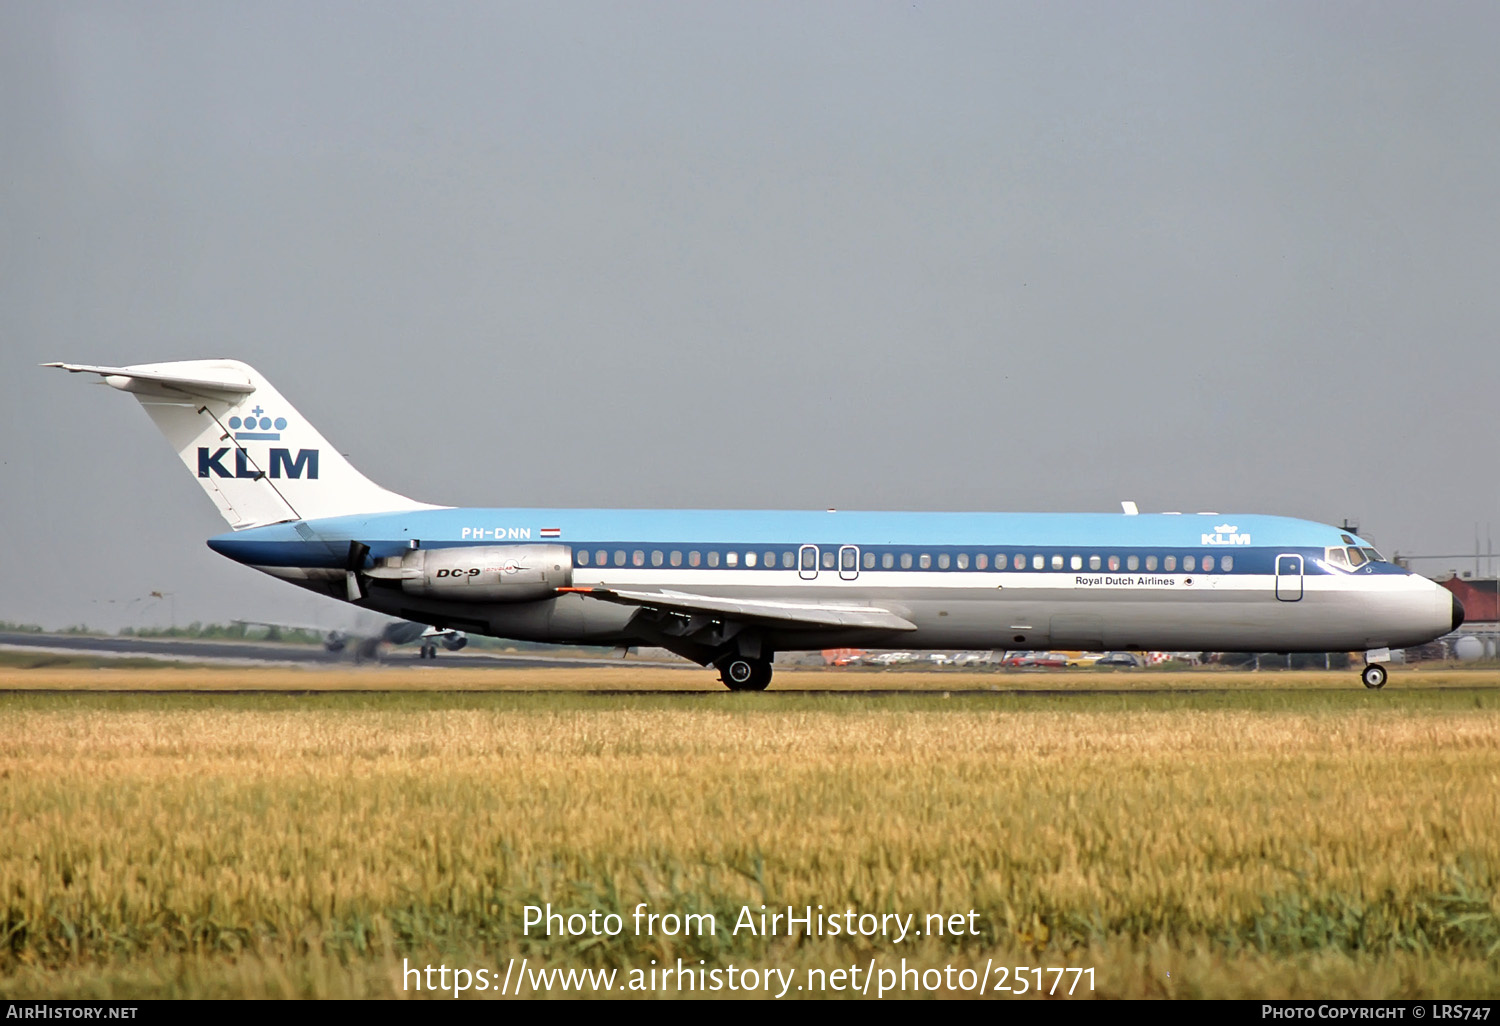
pixel 252 652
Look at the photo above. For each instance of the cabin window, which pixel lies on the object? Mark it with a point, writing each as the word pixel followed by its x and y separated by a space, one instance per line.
pixel 770 560
pixel 1208 564
pixel 1150 562
pixel 846 559
pixel 694 558
pixel 713 558
pixel 1226 564
pixel 638 557
pixel 963 560
pixel 981 562
pixel 1076 562
pixel 656 557
pixel 749 559
pixel 1000 561
pixel 601 558
pixel 1038 562
pixel 788 560
pixel 810 558
pixel 619 557
pixel 583 557
pixel 943 561
pixel 675 558
pixel 1169 563
pixel 1094 563
pixel 869 560
pixel 887 561
pixel 1188 562
pixel 1057 562
pixel 1114 562
pixel 828 559
pixel 906 560
pixel 732 559
pixel 924 561
pixel 1132 562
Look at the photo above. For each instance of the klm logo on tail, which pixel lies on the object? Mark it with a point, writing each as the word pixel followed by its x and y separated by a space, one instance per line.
pixel 257 427
pixel 283 463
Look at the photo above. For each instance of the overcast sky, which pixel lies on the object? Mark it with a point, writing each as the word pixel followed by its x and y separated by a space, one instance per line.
pixel 1047 256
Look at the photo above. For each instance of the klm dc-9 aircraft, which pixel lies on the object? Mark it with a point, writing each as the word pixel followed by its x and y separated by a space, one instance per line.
pixel 729 589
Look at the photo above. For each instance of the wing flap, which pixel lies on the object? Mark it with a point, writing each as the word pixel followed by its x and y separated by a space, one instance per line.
pixel 807 614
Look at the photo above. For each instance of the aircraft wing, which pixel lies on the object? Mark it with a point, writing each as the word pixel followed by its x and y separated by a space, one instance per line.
pixel 804 614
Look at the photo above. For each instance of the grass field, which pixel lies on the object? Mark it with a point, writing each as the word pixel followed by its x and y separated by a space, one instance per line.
pixel 1258 839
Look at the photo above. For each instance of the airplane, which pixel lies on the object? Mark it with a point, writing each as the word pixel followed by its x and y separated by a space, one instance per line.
pixel 397 632
pixel 729 589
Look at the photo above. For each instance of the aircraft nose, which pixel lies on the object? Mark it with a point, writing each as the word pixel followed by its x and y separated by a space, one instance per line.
pixel 1458 613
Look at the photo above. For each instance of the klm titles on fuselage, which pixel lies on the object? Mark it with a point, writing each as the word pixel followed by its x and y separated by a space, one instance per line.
pixel 1225 534
pixel 282 463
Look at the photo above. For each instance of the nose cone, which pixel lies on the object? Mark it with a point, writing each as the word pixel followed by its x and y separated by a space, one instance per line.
pixel 1458 613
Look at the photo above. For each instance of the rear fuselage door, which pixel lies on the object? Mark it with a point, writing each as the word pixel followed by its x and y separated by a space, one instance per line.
pixel 1289 577
pixel 807 562
pixel 849 562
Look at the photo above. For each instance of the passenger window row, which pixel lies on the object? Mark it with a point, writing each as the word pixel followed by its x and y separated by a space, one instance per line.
pixel 768 559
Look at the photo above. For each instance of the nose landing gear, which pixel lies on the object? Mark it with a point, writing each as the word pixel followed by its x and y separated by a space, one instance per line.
pixel 1373 676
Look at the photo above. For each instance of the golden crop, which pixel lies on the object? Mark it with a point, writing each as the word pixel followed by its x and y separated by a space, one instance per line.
pixel 1278 843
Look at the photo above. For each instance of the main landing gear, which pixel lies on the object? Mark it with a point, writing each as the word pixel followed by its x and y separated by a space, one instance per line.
pixel 741 673
pixel 429 651
pixel 1373 676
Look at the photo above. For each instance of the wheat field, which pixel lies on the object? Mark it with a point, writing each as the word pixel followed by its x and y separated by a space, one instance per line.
pixel 1269 843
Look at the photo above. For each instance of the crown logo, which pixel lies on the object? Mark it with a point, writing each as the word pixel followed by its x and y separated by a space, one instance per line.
pixel 257 427
pixel 1225 529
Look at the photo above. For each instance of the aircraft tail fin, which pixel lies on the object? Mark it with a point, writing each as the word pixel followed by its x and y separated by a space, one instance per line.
pixel 258 459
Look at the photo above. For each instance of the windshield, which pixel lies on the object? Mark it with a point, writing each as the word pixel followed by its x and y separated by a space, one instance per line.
pixel 1356 557
pixel 1375 557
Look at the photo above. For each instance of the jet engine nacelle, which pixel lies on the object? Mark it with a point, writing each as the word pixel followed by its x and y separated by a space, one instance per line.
pixel 490 573
pixel 454 642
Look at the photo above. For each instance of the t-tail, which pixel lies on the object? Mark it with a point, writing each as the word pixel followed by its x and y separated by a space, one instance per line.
pixel 256 457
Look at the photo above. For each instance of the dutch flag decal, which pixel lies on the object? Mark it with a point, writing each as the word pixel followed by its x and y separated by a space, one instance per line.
pixel 552 532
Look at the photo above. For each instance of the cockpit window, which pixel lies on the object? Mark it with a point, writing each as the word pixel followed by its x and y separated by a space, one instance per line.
pixel 1347 540
pixel 1375 557
pixel 1337 558
pixel 1356 557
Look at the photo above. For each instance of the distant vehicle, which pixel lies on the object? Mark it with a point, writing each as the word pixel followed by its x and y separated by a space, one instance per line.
pixel 730 589
pixel 1048 659
pixel 940 659
pixel 971 658
pixel 843 656
pixel 400 632
pixel 1117 659
pixel 890 658
pixel 1083 659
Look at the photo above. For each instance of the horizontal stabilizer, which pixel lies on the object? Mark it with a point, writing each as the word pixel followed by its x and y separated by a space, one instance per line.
pixel 807 614
pixel 221 382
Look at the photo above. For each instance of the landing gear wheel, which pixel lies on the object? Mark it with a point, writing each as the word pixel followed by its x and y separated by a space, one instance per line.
pixel 1373 676
pixel 428 652
pixel 742 674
